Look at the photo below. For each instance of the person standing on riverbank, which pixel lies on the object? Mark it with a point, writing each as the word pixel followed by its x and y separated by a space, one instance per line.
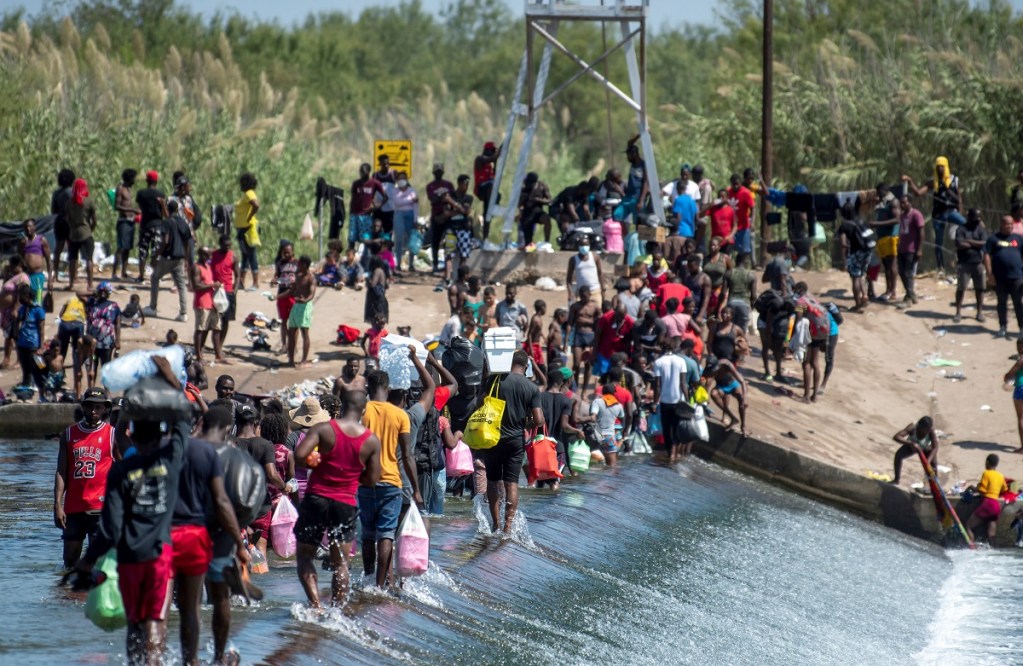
pixel 916 437
pixel 1003 262
pixel 152 205
pixel 347 451
pixel 85 453
pixel 35 252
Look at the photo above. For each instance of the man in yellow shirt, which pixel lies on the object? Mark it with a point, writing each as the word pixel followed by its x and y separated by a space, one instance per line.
pixel 247 230
pixel 380 504
pixel 992 485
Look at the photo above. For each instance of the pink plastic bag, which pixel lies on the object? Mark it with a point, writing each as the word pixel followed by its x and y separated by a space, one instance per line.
pixel 282 528
pixel 413 544
pixel 459 460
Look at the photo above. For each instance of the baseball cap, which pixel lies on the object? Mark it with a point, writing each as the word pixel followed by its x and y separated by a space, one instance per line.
pixel 182 180
pixel 246 414
pixel 686 167
pixel 566 372
pixel 438 166
pixel 96 394
pixel 152 176
pixel 490 145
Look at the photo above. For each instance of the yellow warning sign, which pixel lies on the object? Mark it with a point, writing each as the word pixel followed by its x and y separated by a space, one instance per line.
pixel 398 151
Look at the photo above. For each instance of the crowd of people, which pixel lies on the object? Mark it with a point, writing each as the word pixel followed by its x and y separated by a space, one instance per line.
pixel 647 354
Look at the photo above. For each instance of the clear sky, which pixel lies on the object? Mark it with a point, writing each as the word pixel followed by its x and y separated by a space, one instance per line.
pixel 673 12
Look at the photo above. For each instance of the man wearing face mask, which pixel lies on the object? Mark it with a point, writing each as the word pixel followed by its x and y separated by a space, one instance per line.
pixel 584 270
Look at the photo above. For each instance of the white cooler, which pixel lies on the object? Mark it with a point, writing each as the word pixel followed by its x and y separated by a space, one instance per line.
pixel 499 344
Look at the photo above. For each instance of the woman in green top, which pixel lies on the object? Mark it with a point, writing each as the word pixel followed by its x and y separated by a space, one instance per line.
pixel 1015 375
pixel 740 290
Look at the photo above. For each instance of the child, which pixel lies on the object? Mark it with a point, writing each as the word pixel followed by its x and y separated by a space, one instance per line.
pixel 132 314
pixel 300 319
pixel 387 254
pixel 86 363
pixel 607 411
pixel 534 334
pixel 557 350
pixel 373 336
pixel 990 488
pixel 351 269
pixel 171 338
pixel 54 377
pixel 330 273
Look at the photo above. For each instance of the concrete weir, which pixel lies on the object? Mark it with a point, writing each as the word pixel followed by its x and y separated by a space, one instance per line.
pixel 23 420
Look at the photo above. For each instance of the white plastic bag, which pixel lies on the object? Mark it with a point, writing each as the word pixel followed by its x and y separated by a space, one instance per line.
pixel 282 528
pixel 124 372
pixel 307 232
pixel 701 424
pixel 220 301
pixel 413 544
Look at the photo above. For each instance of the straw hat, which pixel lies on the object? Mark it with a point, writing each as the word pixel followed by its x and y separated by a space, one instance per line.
pixel 309 413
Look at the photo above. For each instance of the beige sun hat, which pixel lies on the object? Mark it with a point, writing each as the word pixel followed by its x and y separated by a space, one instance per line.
pixel 309 413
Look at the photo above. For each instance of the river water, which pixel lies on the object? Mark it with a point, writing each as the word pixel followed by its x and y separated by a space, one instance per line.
pixel 644 564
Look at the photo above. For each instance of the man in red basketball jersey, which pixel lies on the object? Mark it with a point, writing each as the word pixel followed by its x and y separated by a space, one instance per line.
pixel 86 452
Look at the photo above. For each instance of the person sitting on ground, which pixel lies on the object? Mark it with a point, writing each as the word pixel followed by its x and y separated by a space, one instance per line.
pixel 728 381
pixel 132 314
pixel 916 438
pixel 990 488
pixel 330 272
pixel 351 269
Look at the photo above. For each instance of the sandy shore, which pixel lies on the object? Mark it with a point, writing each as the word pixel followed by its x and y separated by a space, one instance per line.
pixel 877 388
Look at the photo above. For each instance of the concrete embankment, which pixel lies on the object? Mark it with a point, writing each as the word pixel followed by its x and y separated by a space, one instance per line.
pixel 894 507
pixel 33 421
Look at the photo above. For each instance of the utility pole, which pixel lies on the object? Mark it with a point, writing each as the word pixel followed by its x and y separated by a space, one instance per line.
pixel 767 123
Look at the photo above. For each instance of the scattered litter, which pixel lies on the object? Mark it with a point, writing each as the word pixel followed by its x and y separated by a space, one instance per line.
pixel 941 332
pixel 790 435
pixel 966 344
pixel 945 362
pixel 918 485
pixel 878 476
pixel 942 469
pixel 932 395
pixel 986 408
pixel 547 284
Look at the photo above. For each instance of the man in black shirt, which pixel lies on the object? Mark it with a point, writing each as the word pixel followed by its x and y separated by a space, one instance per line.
pixel 1003 259
pixel 152 205
pixel 142 491
pixel 970 241
pixel 262 451
pixel 173 248
pixel 504 461
pixel 58 206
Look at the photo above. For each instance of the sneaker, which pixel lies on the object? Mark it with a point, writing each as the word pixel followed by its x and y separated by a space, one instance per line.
pixel 181 317
pixel 1001 332
pixel 149 312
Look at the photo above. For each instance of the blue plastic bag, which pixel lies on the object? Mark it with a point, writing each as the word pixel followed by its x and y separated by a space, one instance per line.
pixel 415 241
pixel 653 425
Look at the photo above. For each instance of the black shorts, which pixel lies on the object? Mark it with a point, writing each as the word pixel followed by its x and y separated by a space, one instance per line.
pixel 504 461
pixel 317 515
pixel 583 340
pixel 232 304
pixel 125 234
pixel 82 249
pixel 104 356
pixel 820 345
pixel 81 525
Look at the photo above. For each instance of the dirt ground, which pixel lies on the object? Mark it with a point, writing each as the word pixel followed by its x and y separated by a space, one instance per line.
pixel 877 388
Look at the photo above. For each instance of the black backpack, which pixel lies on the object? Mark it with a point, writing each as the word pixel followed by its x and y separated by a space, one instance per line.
pixel 768 301
pixel 428 447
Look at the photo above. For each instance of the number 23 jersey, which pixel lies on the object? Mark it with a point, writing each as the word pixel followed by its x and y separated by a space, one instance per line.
pixel 89 455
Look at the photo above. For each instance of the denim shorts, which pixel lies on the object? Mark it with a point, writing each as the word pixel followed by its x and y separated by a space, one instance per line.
pixel 379 508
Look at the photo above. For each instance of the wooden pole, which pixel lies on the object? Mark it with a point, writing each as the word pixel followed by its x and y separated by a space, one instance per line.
pixel 767 124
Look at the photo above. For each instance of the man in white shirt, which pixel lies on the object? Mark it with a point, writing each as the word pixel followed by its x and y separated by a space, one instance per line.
pixel 465 320
pixel 672 398
pixel 684 185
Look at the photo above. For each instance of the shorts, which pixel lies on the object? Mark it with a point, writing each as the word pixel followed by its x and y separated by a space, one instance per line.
pixel 535 351
pixel 858 263
pixel 81 249
pixel 38 283
pixel 820 345
pixel 968 272
pixel 504 461
pixel 581 340
pixel 145 586
pixel 149 241
pixel 193 549
pixel 284 306
pixel 317 515
pixel 77 526
pixel 103 355
pixel 125 235
pixel 206 319
pixel 232 306
pixel 261 526
pixel 463 242
pixel 379 508
pixel 887 246
pixel 301 315
pixel 744 241
pixel 601 364
pixel 555 355
pixel 223 556
pixel 988 509
pixel 608 444
pixel 731 387
pixel 1017 394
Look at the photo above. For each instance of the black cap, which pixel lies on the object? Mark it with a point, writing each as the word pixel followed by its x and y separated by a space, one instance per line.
pixel 182 180
pixel 246 414
pixel 96 394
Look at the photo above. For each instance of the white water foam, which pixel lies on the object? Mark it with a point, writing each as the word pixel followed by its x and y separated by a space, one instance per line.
pixel 334 620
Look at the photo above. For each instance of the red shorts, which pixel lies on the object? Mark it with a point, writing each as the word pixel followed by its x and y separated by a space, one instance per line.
pixel 535 350
pixel 988 509
pixel 193 549
pixel 284 306
pixel 261 526
pixel 145 587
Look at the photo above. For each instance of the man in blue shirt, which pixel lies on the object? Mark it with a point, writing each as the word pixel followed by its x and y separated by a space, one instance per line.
pixel 31 323
pixel 685 212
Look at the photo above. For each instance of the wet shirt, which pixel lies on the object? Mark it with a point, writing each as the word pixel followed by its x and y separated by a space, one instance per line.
pixel 201 465
pixel 387 422
pixel 992 484
pixel 142 492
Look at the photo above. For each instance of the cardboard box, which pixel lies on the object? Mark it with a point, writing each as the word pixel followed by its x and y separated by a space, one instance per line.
pixel 659 234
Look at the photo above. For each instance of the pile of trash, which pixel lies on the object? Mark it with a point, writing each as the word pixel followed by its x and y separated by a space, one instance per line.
pixel 292 396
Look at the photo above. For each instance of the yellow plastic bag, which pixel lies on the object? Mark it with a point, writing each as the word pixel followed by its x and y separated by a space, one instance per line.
pixel 483 430
pixel 252 235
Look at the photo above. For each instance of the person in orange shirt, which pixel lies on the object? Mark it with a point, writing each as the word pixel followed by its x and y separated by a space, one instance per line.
pixel 992 485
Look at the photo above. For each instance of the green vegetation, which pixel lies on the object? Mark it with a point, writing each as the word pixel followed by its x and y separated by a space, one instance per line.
pixel 864 92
